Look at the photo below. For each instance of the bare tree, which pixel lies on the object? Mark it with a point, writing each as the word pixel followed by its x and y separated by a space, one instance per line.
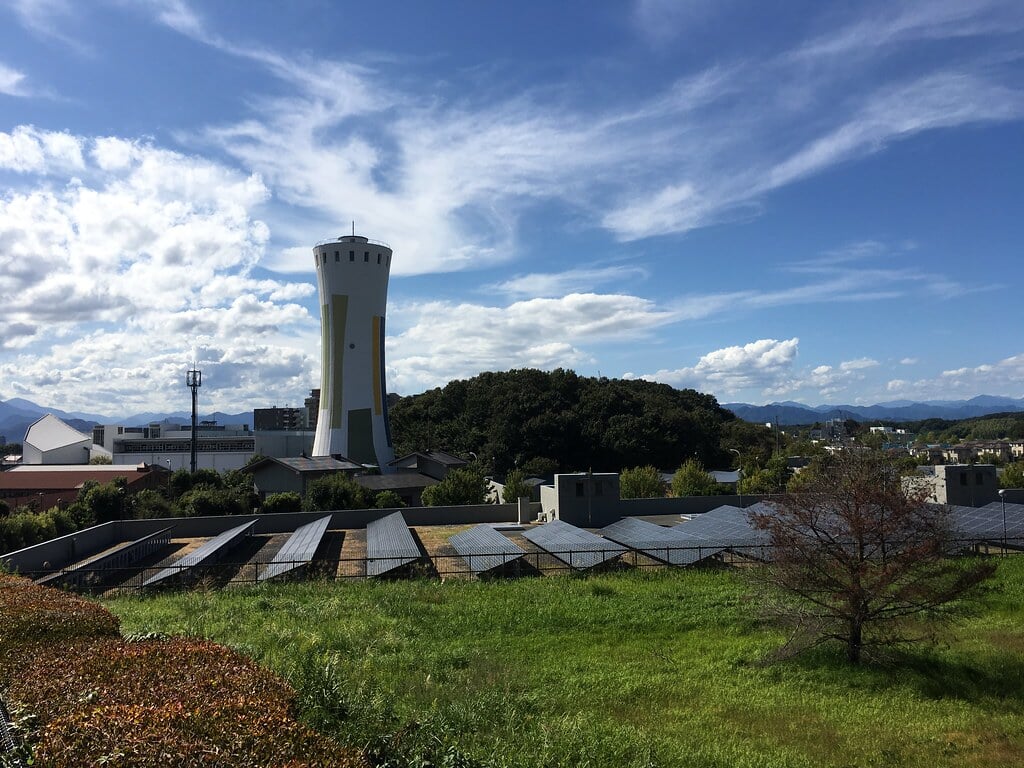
pixel 856 559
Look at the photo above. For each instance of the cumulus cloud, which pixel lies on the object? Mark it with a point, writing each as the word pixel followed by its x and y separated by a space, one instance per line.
pixel 767 366
pixel 758 365
pixel 127 260
pixel 1002 377
pixel 438 341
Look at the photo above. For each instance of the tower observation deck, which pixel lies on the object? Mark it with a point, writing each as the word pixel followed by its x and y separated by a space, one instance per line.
pixel 352 277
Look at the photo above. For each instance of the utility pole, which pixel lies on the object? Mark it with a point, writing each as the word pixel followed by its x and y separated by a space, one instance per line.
pixel 194 380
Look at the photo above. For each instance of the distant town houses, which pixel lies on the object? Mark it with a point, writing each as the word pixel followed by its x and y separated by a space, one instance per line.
pixel 970 452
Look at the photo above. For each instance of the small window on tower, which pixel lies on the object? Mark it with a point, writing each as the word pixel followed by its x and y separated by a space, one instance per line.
pixel 337 256
pixel 366 256
pixel 378 258
pixel 351 255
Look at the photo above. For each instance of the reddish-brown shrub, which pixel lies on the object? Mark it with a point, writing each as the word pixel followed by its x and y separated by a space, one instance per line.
pixel 29 613
pixel 181 702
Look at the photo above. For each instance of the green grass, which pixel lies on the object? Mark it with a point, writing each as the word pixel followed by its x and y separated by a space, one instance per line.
pixel 630 669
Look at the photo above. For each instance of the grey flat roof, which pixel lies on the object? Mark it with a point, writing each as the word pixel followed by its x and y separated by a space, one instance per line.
pixel 314 464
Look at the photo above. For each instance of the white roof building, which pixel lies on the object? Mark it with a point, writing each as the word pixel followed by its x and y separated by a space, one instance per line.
pixel 50 441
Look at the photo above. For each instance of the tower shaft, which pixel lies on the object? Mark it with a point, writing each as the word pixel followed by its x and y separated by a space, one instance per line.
pixel 352 277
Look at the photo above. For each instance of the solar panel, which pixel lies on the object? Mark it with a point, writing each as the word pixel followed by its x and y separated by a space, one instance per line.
pixel 120 556
pixel 484 549
pixel 987 523
pixel 389 545
pixel 669 545
pixel 574 546
pixel 204 555
pixel 298 551
pixel 728 527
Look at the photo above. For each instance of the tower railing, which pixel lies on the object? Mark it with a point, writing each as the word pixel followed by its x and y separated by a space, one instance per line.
pixel 341 239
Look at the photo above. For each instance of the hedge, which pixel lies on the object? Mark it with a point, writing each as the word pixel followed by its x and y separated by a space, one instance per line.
pixel 97 698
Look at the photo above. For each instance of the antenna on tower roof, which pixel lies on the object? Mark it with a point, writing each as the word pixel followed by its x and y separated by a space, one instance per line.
pixel 353 229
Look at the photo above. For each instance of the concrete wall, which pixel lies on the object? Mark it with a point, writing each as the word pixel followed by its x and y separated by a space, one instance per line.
pixel 68 549
pixel 218 460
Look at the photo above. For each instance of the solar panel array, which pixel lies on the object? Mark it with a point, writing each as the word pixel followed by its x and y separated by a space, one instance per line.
pixel 669 545
pixel 986 523
pixel 204 555
pixel 389 545
pixel 728 527
pixel 484 548
pixel 299 550
pixel 118 557
pixel 574 546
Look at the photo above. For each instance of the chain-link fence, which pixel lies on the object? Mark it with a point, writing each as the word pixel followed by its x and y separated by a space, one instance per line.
pixel 112 578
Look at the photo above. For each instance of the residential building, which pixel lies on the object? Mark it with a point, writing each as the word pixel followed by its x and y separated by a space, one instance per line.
pixel 966 485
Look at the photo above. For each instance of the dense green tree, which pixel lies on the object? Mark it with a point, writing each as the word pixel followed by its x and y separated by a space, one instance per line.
pixel 388 500
pixel 204 500
pixel 641 483
pixel 180 482
pixel 771 478
pixel 519 417
pixel 235 478
pixel 336 491
pixel 211 478
pixel 289 501
pixel 107 501
pixel 149 504
pixel 460 486
pixel 100 459
pixel 691 479
pixel 515 487
pixel 1013 476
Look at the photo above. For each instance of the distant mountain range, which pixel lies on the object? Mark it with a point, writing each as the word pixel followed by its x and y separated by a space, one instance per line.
pixel 17 414
pixel 788 413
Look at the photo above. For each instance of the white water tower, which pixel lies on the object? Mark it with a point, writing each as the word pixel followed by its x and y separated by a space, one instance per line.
pixel 352 276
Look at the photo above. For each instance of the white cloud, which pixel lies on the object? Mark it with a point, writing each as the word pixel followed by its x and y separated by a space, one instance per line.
pixel 28 150
pixel 908 361
pixel 446 179
pixel 761 364
pixel 767 366
pixel 12 82
pixel 143 255
pixel 438 341
pixel 1002 377
pixel 569 281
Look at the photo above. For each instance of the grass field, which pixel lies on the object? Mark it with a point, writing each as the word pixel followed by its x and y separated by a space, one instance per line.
pixel 629 669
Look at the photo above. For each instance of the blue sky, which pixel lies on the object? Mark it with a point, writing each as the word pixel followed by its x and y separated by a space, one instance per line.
pixel 764 201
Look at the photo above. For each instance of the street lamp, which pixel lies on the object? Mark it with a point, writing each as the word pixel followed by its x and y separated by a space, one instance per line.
pixel 1002 503
pixel 739 474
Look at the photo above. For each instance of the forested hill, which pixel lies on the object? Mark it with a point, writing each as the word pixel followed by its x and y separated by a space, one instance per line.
pixel 559 421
